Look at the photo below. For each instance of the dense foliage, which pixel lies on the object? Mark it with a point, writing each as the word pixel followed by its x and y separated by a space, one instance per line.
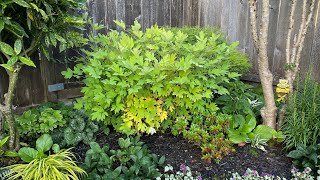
pixel 301 123
pixel 131 161
pixel 135 80
pixel 209 133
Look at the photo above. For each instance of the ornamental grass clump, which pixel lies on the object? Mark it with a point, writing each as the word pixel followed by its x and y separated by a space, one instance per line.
pixel 137 79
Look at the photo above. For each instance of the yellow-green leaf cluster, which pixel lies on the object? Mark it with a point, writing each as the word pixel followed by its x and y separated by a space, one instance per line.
pixel 136 79
pixel 282 90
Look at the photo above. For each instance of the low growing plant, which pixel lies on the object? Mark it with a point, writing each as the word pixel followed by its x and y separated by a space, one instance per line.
pixel 184 173
pixel 131 161
pixel 39 121
pixel 306 156
pixel 209 133
pixel 59 165
pixel 78 129
pixel 135 80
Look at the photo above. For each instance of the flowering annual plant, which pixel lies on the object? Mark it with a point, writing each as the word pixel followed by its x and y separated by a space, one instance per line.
pixel 183 174
pixel 254 175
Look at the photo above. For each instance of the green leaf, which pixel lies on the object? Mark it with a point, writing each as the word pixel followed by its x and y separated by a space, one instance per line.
pixel 264 132
pixel 11 154
pixel 18 46
pixel 55 148
pixel 7 66
pixel 249 125
pixel 27 61
pixel 27 154
pixel 237 137
pixel 295 154
pixel 1 25
pixel 6 49
pixel 67 74
pixel 120 24
pixel 22 3
pixel 44 143
pixel 161 160
pixel 3 141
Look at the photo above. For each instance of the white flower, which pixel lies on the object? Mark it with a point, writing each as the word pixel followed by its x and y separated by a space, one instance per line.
pixel 151 130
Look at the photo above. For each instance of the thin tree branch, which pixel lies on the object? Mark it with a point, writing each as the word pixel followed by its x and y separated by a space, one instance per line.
pixel 303 35
pixel 253 22
pixel 290 29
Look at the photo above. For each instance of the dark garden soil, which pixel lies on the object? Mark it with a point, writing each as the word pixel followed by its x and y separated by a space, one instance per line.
pixel 179 151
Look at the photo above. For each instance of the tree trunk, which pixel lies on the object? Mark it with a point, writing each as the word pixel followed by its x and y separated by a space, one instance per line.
pixel 7 110
pixel 260 39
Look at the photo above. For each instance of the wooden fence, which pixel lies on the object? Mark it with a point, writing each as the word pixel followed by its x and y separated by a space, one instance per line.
pixel 231 16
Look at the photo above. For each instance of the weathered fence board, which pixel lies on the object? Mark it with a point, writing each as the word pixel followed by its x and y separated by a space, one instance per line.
pixel 231 16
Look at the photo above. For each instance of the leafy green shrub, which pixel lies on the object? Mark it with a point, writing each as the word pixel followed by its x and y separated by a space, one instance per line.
pixel 36 121
pixel 209 133
pixel 131 161
pixel 59 165
pixel 306 156
pixel 238 59
pixel 3 151
pixel 301 122
pixel 241 100
pixel 136 80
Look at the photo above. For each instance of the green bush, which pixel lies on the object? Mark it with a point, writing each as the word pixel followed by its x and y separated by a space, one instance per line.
pixel 301 122
pixel 238 59
pixel 135 80
pixel 131 161
pixel 39 121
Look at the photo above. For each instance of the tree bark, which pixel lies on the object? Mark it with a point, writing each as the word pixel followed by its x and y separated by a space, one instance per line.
pixel 7 110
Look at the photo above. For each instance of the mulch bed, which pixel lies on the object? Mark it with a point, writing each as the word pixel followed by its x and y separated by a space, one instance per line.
pixel 179 151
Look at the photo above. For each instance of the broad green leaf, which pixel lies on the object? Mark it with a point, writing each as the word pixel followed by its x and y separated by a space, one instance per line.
pixel 237 137
pixel 18 46
pixel 295 154
pixel 265 132
pixel 249 125
pixel 44 142
pixel 27 154
pixel 22 3
pixel 7 66
pixel 6 49
pixel 27 61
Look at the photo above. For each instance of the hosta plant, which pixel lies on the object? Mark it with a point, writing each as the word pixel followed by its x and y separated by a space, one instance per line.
pixel 135 80
pixel 58 165
pixel 131 161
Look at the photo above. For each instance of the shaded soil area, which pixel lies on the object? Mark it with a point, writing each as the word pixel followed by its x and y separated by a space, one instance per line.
pixel 179 151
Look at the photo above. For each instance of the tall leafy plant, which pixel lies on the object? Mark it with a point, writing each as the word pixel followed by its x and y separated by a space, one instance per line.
pixel 27 27
pixel 301 121
pixel 135 80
